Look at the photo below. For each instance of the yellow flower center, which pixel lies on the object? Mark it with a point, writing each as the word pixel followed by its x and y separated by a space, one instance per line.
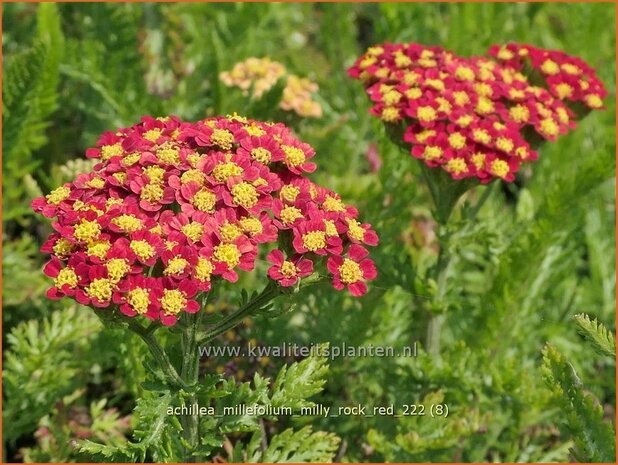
pixel 424 135
pixel 223 138
pixel 549 127
pixel 288 269
pixel 117 268
pixel 368 61
pixel 173 301
pixel 223 171
pixel 142 249
pixel 169 154
pixel 519 114
pixel 464 73
pixel 293 155
pixel 505 54
pixel 333 204
pixel 245 195
pixel 479 160
pixel 100 289
pixel 314 240
pixel 228 254
pixel 203 269
pixel 563 116
pixel 193 159
pixel 504 144
pixel 401 60
pixel 564 90
pixel 426 114
pixel 457 140
pixel 461 98
pixel 464 121
pixel 87 230
pixel 128 223
pixel 63 247
pixel 175 266
pixel 522 152
pixel 456 165
pixel 109 151
pixel 120 177
pixel 152 135
pixel 204 200
pixel 229 231
pixel 391 97
pixel 289 192
pixel 139 299
pixel 254 130
pixel 390 114
pixel 131 159
pixel 481 135
pixel 435 83
pixel 593 101
pixel 96 183
pixel 499 168
pixel 350 271
pixel 355 230
pixel 570 69
pixel 98 249
pixel 261 154
pixel 193 230
pixel 66 276
pixel 550 67
pixel 432 152
pixel 290 214
pixel 413 93
pixel 484 90
pixel 151 192
pixel 154 173
pixel 251 225
pixel 58 195
pixel 484 106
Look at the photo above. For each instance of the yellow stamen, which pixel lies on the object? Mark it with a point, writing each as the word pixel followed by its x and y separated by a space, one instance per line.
pixel 314 240
pixel 350 271
pixel 66 277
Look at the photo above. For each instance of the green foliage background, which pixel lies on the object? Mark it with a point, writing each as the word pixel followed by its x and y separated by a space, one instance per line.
pixel 539 251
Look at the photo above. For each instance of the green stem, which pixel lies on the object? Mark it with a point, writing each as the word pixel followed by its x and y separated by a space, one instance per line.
pixel 436 319
pixel 269 293
pixel 190 374
pixel 158 353
pixel 486 194
pixel 445 193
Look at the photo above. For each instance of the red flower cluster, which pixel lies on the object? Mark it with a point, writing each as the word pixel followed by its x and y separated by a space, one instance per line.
pixel 173 206
pixel 474 117
pixel 568 78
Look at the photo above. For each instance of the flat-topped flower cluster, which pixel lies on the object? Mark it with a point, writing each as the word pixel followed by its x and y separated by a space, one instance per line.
pixel 172 206
pixel 259 75
pixel 477 117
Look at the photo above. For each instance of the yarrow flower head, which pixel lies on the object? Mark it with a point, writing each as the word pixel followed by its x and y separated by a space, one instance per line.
pixel 172 207
pixel 567 77
pixel 475 117
pixel 261 74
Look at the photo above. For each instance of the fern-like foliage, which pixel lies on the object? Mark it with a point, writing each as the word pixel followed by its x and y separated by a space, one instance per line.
pixel 29 95
pixel 302 446
pixel 154 434
pixel 299 381
pixel 595 439
pixel 601 339
pixel 41 366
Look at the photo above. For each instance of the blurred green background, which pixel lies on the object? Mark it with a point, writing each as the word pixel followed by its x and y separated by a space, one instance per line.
pixel 540 250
